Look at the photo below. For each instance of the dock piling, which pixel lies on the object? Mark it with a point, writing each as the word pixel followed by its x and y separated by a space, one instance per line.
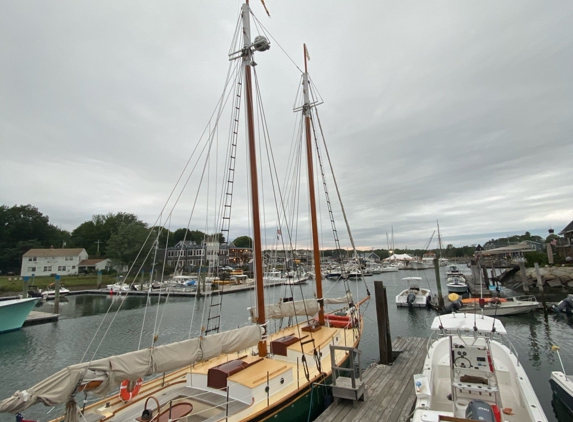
pixel 384 338
pixel 439 284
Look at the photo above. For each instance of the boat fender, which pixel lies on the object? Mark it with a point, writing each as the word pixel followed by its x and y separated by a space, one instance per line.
pixel 479 410
pixel 125 394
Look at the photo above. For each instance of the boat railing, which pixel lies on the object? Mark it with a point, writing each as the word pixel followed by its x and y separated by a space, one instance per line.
pixel 527 298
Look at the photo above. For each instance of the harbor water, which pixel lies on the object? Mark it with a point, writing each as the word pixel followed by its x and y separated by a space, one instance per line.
pixel 33 353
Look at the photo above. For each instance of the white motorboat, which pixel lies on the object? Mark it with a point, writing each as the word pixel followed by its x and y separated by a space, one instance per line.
pixel 281 277
pixel 473 368
pixel 414 296
pixel 418 265
pixel 503 307
pixel 50 292
pixel 457 284
pixel 390 268
pixel 119 288
pixel 453 271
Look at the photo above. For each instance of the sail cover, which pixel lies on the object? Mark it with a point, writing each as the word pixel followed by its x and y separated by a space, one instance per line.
pixel 308 307
pixel 344 300
pixel 112 371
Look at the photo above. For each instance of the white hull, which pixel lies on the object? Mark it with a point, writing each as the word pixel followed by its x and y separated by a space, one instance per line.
pixel 457 287
pixel 483 369
pixel 423 297
pixel 391 269
pixel 513 306
pixel 51 294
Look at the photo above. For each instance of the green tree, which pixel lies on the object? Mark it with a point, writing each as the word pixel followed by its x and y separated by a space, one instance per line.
pixel 128 245
pixel 243 242
pixel 24 223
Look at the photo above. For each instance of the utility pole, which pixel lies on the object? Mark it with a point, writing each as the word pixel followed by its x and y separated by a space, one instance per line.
pixel 98 242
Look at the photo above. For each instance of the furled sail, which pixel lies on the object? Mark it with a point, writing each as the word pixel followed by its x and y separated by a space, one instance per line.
pixel 108 373
pixel 344 300
pixel 308 308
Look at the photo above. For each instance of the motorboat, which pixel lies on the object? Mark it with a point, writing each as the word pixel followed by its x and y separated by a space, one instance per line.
pixel 285 277
pixel 13 313
pixel 118 288
pixel 502 306
pixel 390 268
pixel 453 270
pixel 50 292
pixel 457 284
pixel 414 296
pixel 472 372
pixel 562 385
pixel 565 305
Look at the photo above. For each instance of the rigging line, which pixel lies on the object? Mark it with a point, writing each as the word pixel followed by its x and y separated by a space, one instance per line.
pixel 337 190
pixel 156 221
pixel 275 41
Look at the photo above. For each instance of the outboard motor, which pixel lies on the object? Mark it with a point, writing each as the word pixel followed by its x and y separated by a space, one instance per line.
pixel 565 306
pixel 479 410
pixel 454 306
pixel 411 299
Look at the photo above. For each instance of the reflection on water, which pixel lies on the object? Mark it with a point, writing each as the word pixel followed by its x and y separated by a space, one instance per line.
pixel 35 352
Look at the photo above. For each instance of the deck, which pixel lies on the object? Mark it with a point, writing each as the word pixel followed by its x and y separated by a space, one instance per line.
pixel 35 318
pixel 389 389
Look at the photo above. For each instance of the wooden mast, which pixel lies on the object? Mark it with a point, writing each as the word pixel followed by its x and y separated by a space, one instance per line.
pixel 257 243
pixel 316 246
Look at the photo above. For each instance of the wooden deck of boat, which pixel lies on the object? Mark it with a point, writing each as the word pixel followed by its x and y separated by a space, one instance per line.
pixel 390 388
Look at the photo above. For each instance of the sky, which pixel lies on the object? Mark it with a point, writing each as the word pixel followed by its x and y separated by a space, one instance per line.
pixel 460 112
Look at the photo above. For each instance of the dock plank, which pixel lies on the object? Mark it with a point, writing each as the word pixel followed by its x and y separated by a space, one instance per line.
pixel 390 388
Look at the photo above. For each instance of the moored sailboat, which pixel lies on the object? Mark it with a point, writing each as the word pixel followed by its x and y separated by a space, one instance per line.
pixel 249 373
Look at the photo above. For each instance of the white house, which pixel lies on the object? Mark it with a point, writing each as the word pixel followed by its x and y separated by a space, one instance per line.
pixel 45 262
pixel 95 265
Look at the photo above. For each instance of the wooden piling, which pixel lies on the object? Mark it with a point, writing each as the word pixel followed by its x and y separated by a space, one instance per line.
pixel 384 338
pixel 439 283
pixel 57 295
pixel 523 277
pixel 25 287
pixel 540 286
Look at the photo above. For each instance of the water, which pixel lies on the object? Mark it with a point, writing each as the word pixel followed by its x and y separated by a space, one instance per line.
pixel 33 353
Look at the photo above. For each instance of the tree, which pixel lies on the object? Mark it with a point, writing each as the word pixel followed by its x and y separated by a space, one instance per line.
pixel 24 223
pixel 128 246
pixel 243 242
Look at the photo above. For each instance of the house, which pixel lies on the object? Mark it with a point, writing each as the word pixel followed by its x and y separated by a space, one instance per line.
pixel 94 265
pixel 187 255
pixel 45 262
pixel 566 244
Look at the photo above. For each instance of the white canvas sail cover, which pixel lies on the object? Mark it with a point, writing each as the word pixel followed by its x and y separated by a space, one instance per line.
pixel 308 308
pixel 344 300
pixel 112 371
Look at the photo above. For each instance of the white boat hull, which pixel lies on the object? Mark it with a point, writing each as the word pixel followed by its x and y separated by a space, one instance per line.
pixel 513 306
pixel 423 297
pixel 457 287
pixel 445 388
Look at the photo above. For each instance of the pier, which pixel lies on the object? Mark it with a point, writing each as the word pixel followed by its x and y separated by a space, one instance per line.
pixel 390 392
pixel 35 318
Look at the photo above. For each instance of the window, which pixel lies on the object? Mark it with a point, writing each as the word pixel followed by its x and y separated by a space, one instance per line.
pixel 48 268
pixel 31 269
pixel 61 268
pixel 73 267
pixel 33 258
pixel 69 258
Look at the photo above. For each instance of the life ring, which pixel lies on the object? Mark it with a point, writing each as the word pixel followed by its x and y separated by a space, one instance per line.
pixel 124 392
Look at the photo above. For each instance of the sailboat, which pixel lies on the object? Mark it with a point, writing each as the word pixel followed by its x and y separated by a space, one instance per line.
pixel 248 373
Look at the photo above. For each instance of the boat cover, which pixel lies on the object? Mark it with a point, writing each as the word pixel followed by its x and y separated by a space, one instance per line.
pixel 111 371
pixel 308 307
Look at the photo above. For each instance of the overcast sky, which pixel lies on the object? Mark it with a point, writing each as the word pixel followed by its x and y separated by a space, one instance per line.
pixel 457 111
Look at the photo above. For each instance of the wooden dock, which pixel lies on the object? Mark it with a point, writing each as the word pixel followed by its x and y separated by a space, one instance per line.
pixel 35 318
pixel 390 392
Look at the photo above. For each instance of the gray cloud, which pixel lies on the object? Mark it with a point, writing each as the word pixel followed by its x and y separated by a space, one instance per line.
pixel 460 112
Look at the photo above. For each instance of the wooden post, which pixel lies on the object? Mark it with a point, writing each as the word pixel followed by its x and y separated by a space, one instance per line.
pixel 549 254
pixel 57 295
pixel 485 276
pixel 25 287
pixel 439 283
pixel 99 279
pixel 523 277
pixel 384 338
pixel 475 276
pixel 540 286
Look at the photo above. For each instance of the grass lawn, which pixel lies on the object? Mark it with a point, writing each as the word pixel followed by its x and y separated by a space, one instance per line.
pixel 10 286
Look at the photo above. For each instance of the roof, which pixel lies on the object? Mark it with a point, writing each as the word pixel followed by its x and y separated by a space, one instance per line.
pixel 91 262
pixel 54 252
pixel 519 247
pixel 567 229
